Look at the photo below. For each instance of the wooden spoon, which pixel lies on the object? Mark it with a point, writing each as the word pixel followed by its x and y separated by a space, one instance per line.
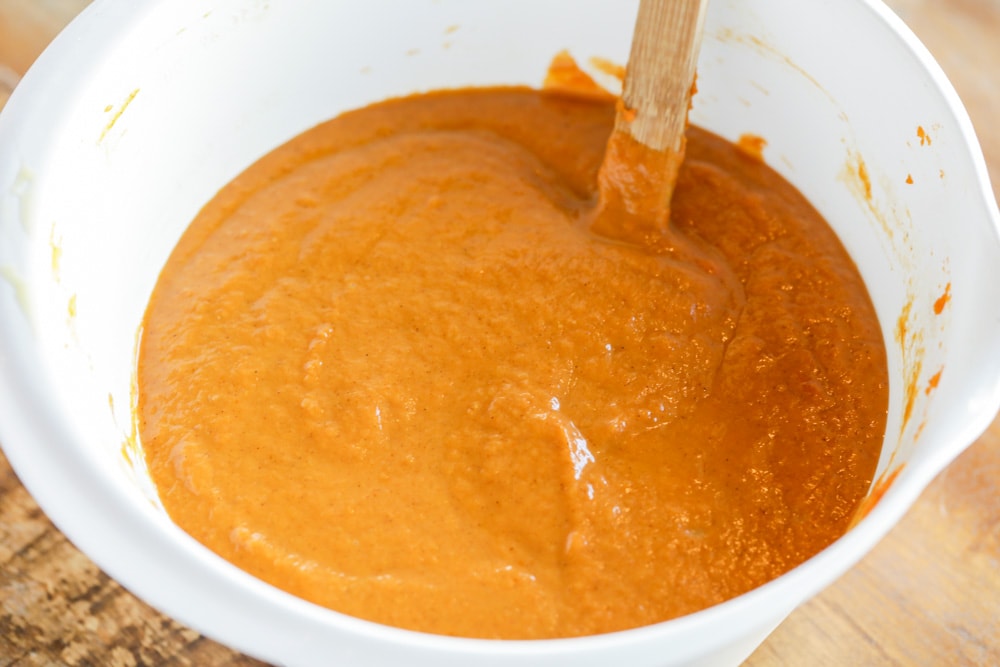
pixel 647 146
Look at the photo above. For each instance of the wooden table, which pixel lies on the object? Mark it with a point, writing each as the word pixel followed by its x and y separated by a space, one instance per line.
pixel 929 594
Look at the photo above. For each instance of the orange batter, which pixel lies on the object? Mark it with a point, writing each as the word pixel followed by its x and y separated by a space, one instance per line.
pixel 393 368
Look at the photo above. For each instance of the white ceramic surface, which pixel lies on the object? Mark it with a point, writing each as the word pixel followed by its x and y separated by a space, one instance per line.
pixel 140 111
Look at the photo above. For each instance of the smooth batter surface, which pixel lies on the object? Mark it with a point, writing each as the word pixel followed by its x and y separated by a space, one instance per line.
pixel 391 369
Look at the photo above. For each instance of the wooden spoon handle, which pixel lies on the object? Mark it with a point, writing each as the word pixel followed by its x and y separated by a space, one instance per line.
pixel 661 71
pixel 646 148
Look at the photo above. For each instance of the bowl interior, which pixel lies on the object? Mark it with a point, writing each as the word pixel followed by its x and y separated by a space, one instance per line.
pixel 126 129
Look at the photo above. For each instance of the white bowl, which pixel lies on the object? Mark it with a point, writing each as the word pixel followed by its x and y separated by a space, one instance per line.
pixel 139 112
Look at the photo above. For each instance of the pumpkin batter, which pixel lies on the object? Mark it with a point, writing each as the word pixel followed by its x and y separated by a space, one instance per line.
pixel 399 369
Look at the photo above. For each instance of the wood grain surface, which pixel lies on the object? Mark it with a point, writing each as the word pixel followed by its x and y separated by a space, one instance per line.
pixel 928 594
